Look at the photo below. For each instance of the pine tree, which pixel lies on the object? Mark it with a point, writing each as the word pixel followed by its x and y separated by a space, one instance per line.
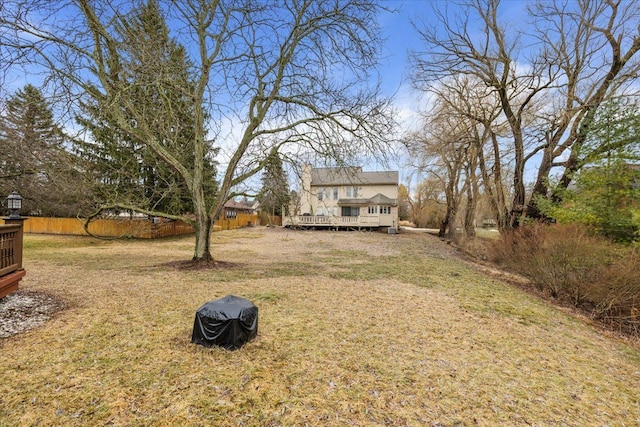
pixel 126 170
pixel 606 194
pixel 274 197
pixel 34 160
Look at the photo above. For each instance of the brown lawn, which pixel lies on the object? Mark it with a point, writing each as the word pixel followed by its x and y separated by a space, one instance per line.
pixel 355 329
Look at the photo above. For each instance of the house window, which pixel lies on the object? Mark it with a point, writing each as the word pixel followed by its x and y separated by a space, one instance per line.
pixel 335 193
pixel 320 193
pixel 348 192
pixel 328 193
pixel 350 211
pixel 385 210
pixel 355 192
pixel 372 210
pixel 230 214
pixel 319 211
pixel 335 211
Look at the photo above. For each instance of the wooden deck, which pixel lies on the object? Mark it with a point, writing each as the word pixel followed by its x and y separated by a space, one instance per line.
pixel 333 222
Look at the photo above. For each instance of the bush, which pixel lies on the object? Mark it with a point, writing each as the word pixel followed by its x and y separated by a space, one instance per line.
pixel 569 263
pixel 616 297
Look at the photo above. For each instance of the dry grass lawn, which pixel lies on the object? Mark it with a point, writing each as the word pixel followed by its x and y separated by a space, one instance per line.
pixel 355 329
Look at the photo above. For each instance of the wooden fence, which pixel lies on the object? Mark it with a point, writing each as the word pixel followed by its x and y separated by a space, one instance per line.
pixel 141 228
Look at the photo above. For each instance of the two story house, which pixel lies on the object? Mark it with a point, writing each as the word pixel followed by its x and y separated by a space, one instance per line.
pixel 347 198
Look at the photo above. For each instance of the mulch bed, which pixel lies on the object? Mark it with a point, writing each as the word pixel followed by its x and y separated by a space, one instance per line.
pixel 23 310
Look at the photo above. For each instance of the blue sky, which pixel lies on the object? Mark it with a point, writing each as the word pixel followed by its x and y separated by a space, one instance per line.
pixel 402 37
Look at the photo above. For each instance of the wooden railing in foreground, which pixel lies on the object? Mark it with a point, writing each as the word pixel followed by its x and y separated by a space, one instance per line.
pixel 141 228
pixel 11 271
pixel 10 250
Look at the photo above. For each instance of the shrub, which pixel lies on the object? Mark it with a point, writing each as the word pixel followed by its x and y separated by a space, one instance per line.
pixel 568 262
pixel 616 297
pixel 561 260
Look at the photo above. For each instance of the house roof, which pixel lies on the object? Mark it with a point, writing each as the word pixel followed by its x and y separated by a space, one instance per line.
pixel 381 199
pixel 232 204
pixel 378 199
pixel 352 176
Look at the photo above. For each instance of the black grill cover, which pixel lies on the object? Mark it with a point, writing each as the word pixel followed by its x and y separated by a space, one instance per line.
pixel 229 322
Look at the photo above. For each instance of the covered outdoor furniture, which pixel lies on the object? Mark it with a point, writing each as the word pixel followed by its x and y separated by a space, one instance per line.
pixel 229 322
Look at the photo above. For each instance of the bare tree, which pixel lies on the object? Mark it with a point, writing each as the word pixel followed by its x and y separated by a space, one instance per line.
pixel 441 149
pixel 460 135
pixel 427 204
pixel 487 161
pixel 267 75
pixel 577 55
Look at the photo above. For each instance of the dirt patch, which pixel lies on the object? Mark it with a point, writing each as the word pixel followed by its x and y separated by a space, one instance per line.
pixel 200 265
pixel 23 310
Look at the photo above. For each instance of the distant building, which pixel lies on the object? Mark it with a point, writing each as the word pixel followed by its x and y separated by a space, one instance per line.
pixel 232 209
pixel 346 198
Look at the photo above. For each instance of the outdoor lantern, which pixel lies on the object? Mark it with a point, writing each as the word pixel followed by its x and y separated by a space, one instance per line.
pixel 14 204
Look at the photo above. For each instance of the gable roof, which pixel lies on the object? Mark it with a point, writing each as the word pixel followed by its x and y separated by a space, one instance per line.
pixel 352 176
pixel 381 199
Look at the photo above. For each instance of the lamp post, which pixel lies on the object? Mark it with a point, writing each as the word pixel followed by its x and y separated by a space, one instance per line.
pixel 11 238
pixel 14 204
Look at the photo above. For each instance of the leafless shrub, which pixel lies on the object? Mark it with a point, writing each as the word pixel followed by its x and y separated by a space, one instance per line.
pixel 616 297
pixel 571 264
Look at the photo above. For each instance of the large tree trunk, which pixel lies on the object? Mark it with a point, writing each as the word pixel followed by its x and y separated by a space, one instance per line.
pixel 540 187
pixel 515 123
pixel 493 185
pixel 203 232
pixel 203 222
pixel 470 211
pixel 445 226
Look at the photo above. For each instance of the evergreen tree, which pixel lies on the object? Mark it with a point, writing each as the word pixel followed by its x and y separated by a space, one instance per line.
pixel 34 159
pixel 606 197
pixel 275 196
pixel 605 194
pixel 614 132
pixel 126 171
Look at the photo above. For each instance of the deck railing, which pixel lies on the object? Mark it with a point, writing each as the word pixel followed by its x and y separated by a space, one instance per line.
pixel 10 249
pixel 11 271
pixel 331 221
